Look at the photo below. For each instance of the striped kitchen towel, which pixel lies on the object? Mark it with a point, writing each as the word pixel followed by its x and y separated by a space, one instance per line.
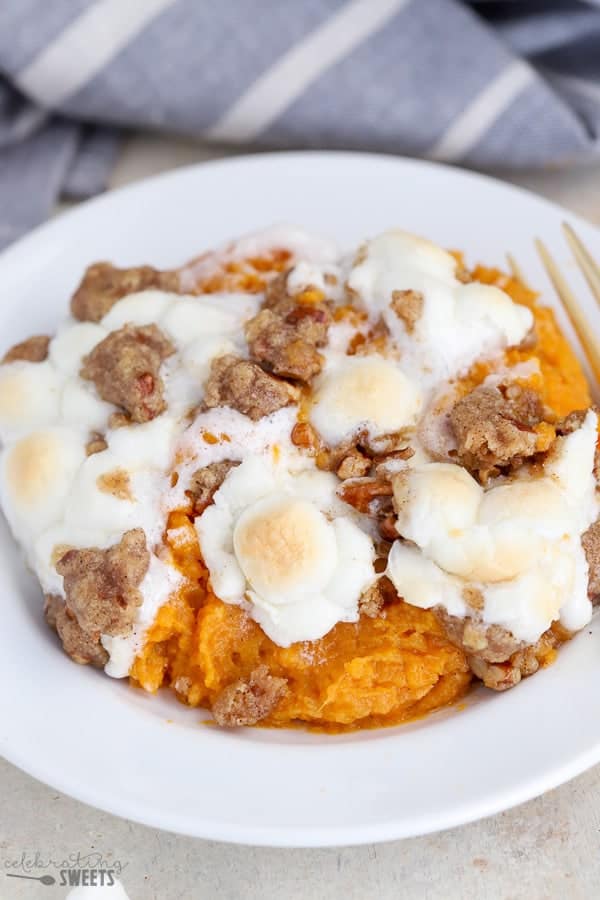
pixel 483 84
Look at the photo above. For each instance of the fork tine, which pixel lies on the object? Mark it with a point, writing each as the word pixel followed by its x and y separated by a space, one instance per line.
pixel 586 262
pixel 515 270
pixel 590 344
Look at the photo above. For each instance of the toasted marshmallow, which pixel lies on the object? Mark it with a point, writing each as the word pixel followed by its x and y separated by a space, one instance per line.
pixel 421 582
pixel 364 393
pixel 554 587
pixel 285 546
pixel 29 397
pixel 269 545
pixel 277 540
pixel 438 499
pixel 481 537
pixel 459 323
pixel 530 503
pixel 121 487
pixel 488 536
pixel 519 543
pixel 36 474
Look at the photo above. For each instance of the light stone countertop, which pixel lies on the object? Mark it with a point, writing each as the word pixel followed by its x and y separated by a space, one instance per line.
pixel 548 848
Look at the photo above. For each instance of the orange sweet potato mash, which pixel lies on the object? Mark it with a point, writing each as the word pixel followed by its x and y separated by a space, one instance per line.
pixel 379 671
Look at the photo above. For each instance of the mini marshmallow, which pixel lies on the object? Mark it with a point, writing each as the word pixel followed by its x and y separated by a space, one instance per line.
pixel 459 323
pixel 29 397
pixel 518 543
pixel 364 393
pixel 36 474
pixel 266 544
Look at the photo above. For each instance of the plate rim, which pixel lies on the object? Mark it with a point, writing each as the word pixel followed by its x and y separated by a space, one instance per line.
pixel 297 836
pixel 269 156
pixel 313 837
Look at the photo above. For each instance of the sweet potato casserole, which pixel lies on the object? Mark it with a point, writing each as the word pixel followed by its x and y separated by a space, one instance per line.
pixel 303 486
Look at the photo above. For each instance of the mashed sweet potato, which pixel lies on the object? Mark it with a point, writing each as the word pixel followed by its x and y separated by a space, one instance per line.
pixel 375 672
pixel 562 384
pixel 379 671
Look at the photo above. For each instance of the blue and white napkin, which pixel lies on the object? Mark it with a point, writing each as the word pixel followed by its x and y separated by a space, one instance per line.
pixel 484 84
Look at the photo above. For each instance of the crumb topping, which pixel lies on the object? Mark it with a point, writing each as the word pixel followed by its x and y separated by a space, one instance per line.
pixel 125 366
pixel 34 349
pixel 82 646
pixel 495 428
pixel 104 284
pixel 248 701
pixel 591 545
pixel 244 386
pixel 287 346
pixel 318 396
pixel 102 586
pixel 374 599
pixel 206 482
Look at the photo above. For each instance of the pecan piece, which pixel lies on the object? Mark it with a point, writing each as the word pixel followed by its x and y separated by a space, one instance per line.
pixel 375 597
pixel 206 482
pixel 363 493
pixel 494 428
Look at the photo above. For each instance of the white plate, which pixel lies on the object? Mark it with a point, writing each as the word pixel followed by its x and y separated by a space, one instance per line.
pixel 149 758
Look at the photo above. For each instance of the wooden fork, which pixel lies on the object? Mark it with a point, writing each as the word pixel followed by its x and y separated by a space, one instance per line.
pixel 591 272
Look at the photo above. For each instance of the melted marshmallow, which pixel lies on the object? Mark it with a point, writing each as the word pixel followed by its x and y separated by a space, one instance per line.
pixel 36 474
pixel 519 542
pixel 120 488
pixel 277 539
pixel 200 327
pixel 54 496
pixel 226 434
pixel 325 277
pixel 72 342
pixel 300 244
pixel 159 582
pixel 459 322
pixel 30 396
pixel 363 393
pixel 285 547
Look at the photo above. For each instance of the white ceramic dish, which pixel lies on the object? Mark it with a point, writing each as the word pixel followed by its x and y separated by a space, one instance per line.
pixel 150 759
